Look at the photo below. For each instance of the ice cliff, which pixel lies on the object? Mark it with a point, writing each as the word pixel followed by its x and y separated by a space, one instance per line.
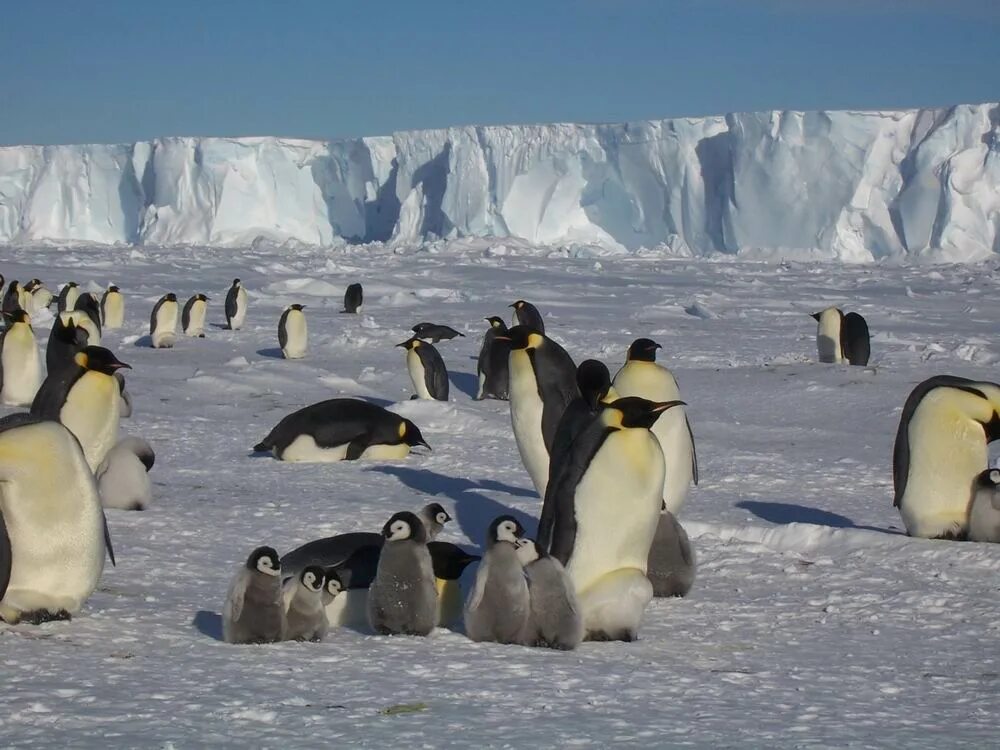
pixel 853 186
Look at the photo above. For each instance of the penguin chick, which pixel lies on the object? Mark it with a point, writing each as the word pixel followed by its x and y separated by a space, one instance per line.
pixel 333 586
pixel 255 610
pixel 554 620
pixel 671 564
pixel 123 476
pixel 434 517
pixel 305 616
pixel 499 605
pixel 984 516
pixel 402 600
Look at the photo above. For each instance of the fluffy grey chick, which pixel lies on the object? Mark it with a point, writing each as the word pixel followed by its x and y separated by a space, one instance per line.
pixel 402 600
pixel 255 610
pixel 671 564
pixel 498 607
pixel 305 616
pixel 554 620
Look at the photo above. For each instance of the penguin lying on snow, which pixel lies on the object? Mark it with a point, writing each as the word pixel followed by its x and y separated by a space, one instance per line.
pixel 434 332
pixel 254 611
pixel 842 338
pixel 20 362
pixel 402 600
pixel 554 620
pixel 499 605
pixel 341 429
pixel 491 367
pixel 984 515
pixel 123 476
pixel 427 370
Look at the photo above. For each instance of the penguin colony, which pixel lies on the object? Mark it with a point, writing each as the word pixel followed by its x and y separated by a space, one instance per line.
pixel 612 459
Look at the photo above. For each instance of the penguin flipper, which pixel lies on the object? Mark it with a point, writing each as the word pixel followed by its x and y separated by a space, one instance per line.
pixel 356 448
pixel 694 452
pixel 107 540
pixel 234 600
pixel 6 557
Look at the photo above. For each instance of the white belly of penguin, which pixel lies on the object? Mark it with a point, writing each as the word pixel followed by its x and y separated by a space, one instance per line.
pixel 303 449
pixel 22 367
pixel 295 330
pixel 91 412
pixel 828 337
pixel 678 456
pixel 241 309
pixel 196 319
pixel 416 370
pixel 647 380
pixel 526 418
pixel 40 299
pixel 82 320
pixel 114 311
pixel 164 334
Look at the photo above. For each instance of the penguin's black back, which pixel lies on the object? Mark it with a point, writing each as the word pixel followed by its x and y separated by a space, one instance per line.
pixel 435 373
pixel 855 340
pixel 353 298
pixel 336 422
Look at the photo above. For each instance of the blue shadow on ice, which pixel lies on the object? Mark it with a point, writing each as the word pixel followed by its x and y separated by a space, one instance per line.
pixel 466 382
pixel 208 623
pixel 782 513
pixel 272 352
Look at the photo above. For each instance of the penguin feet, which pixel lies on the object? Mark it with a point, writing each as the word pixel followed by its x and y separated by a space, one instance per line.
pixel 603 635
pixel 40 616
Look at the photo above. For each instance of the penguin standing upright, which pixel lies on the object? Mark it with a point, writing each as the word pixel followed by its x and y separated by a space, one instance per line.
pixel 554 619
pixel 641 376
pixel 293 334
pixel 940 449
pixel 491 366
pixel 542 384
pixel 499 605
pixel 113 308
pixel 402 600
pixel 41 297
pixel 84 397
pixel 354 299
pixel 305 614
pixel 20 362
pixel 671 564
pixel 65 340
pixel 12 298
pixel 526 314
pixel 66 302
pixel 193 316
pixel 604 545
pixel 984 514
pixel 123 476
pixel 53 535
pixel 254 611
pixel 236 306
pixel 427 370
pixel 88 308
pixel 163 322
pixel 842 338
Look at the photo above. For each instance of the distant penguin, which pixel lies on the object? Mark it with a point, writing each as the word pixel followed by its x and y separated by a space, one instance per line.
pixel 526 314
pixel 292 332
pixel 193 316
pixel 305 613
pixel 671 564
pixel 603 545
pixel 434 332
pixel 41 297
pixel 554 618
pixel 67 297
pixel 20 362
pixel 65 340
pixel 113 308
pixel 254 611
pixel 12 298
pixel 940 449
pixel 842 338
pixel 354 299
pixel 236 306
pixel 499 604
pixel 125 398
pixel 341 429
pixel 402 600
pixel 494 381
pixel 542 385
pixel 427 370
pixel 163 322
pixel 53 535
pixel 641 376
pixel 85 397
pixel 123 476
pixel 984 515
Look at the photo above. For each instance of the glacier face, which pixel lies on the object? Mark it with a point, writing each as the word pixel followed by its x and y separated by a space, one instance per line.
pixel 854 186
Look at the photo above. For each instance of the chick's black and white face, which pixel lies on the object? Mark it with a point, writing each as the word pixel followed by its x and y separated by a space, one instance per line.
pixel 399 529
pixel 312 579
pixel 333 586
pixel 268 565
pixel 442 518
pixel 509 531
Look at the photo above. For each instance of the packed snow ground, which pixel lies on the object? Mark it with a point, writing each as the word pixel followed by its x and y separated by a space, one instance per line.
pixel 813 622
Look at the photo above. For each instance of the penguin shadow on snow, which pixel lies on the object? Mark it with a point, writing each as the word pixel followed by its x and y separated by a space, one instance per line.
pixel 144 342
pixel 466 382
pixel 273 352
pixel 208 623
pixel 474 510
pixel 786 513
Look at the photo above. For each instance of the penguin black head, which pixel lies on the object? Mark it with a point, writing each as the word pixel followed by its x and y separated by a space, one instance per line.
pixel 523 337
pixel 113 288
pixel 409 433
pixel 404 525
pixel 99 359
pixel 504 529
pixel 32 285
pixel 313 578
pixel 236 282
pixel 989 479
pixel 635 412
pixel 333 584
pixel 264 560
pixel 518 305
pixel 497 324
pixel 643 350
pixel 297 307
pixel 13 285
pixel 593 380
pixel 17 316
pixel 449 560
pixel 170 297
pixel 72 284
pixel 413 343
pixel 437 512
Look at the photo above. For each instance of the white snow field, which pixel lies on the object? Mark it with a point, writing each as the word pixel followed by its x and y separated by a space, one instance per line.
pixel 814 622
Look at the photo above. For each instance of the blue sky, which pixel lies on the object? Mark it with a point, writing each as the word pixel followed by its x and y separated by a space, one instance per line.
pixel 113 71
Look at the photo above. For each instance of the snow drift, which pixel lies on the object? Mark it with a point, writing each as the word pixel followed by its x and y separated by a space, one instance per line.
pixel 853 186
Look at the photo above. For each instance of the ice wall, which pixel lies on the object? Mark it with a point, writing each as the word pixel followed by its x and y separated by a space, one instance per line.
pixel 854 186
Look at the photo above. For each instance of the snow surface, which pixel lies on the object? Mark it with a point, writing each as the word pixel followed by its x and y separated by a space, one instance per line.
pixel 813 621
pixel 852 186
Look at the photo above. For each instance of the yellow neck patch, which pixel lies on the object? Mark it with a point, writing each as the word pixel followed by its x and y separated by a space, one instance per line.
pixel 81 359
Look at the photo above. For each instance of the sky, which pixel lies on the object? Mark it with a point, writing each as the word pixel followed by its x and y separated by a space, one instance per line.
pixel 79 72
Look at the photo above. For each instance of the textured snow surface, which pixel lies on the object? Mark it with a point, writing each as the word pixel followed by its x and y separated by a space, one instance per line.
pixel 852 186
pixel 813 621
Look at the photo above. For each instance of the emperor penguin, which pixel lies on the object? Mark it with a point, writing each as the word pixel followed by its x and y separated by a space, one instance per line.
pixel 354 299
pixel 125 398
pixel 41 297
pixel 53 535
pixel 940 449
pixel 492 363
pixel 65 340
pixel 20 362
pixel 449 561
pixel 542 385
pixel 402 600
pixel 341 429
pixel 842 338
pixel 434 332
pixel 67 297
pixel 305 613
pixel 123 476
pixel 671 564
pixel 113 308
pixel 13 298
pixel 85 397
pixel 236 306
pixel 427 370
pixel 554 619
pixel 82 319
pixel 88 309
pixel 193 316
pixel 292 332
pixel 526 314
pixel 984 514
pixel 604 545
pixel 254 611
pixel 163 322
pixel 641 376
pixel 498 607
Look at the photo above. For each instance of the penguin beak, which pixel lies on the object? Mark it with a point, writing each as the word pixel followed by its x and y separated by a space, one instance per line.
pixel 404 345
pixel 663 406
pixel 502 338
pixel 119 366
pixel 814 316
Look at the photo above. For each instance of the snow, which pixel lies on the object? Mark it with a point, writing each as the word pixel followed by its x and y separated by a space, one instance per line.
pixel 836 185
pixel 813 620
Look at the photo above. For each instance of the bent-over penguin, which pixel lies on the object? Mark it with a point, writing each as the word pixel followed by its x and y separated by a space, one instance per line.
pixel 554 619
pixel 491 367
pixel 354 299
pixel 434 332
pixel 254 611
pixel 236 306
pixel 20 361
pixel 427 370
pixel 163 322
pixel 66 302
pixel 65 339
pixel 293 335
pixel 402 600
pixel 40 297
pixel 113 308
pixel 123 476
pixel 984 515
pixel 193 316
pixel 499 605
pixel 526 314
pixel 305 613
pixel 671 564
